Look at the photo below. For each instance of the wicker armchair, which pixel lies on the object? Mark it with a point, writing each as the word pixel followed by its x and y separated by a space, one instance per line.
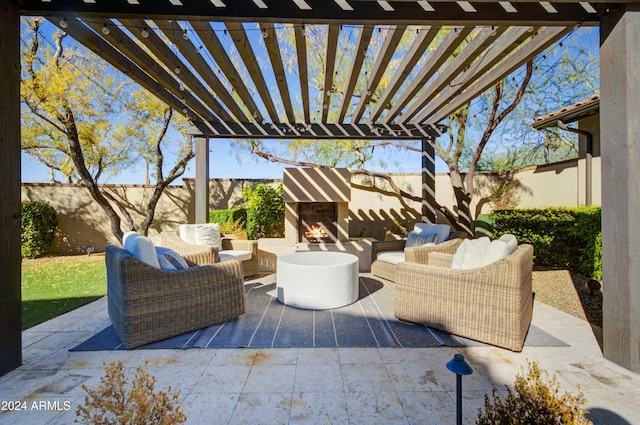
pixel 203 254
pixel 146 304
pixel 420 254
pixel 492 304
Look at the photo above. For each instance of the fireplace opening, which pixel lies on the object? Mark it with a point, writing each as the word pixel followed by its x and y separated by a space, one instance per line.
pixel 317 222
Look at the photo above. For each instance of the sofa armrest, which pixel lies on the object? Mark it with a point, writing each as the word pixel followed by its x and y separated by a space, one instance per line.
pixel 421 254
pixel 240 244
pixel 380 246
pixel 195 255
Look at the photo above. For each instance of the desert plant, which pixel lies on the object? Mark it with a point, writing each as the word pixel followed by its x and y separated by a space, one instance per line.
pixel 38 227
pixel 534 400
pixel 113 403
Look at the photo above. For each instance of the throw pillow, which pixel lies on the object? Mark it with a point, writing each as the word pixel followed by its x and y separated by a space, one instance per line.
pixel 442 230
pixel 170 260
pixel 420 239
pixel 500 248
pixel 188 233
pixel 470 253
pixel 208 234
pixel 142 248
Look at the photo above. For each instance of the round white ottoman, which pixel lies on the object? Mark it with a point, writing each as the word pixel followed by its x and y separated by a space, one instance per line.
pixel 317 280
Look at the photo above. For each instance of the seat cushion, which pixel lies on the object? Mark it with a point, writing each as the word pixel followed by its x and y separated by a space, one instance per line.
pixel 391 257
pixel 441 229
pixel 235 254
pixel 142 248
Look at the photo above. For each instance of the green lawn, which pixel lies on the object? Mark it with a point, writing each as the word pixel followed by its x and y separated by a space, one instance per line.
pixel 51 287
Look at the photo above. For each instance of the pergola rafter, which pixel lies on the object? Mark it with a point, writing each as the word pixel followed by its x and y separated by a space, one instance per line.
pixel 191 64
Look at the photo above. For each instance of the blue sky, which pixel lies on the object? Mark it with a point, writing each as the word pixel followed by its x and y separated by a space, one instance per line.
pixel 223 164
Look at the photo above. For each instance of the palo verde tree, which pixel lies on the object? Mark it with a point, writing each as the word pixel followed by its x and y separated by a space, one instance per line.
pixel 503 113
pixel 86 122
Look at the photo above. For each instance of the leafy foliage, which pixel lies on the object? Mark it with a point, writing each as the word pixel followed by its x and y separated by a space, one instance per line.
pixel 265 211
pixel 87 122
pixel 38 227
pixel 230 218
pixel 535 399
pixel 113 403
pixel 564 237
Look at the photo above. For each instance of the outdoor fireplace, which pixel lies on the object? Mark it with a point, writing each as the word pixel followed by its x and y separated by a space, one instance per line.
pixel 317 204
pixel 317 222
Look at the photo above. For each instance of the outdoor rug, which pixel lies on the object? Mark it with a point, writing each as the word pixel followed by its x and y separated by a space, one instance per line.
pixel 369 322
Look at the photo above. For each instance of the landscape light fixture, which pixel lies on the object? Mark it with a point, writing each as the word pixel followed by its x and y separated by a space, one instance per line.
pixel 458 366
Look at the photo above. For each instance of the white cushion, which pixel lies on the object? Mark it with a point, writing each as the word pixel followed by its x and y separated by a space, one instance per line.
pixel 142 248
pixel 391 257
pixel 235 254
pixel 421 239
pixel 500 248
pixel 208 234
pixel 170 260
pixel 441 229
pixel 470 253
pixel 188 233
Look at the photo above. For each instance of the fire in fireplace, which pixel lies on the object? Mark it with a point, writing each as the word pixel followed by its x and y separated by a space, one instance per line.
pixel 317 222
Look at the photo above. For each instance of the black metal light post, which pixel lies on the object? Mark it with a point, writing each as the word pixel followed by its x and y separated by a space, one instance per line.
pixel 458 366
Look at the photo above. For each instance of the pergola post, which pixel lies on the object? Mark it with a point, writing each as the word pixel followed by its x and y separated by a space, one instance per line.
pixel 202 179
pixel 620 148
pixel 428 180
pixel 10 257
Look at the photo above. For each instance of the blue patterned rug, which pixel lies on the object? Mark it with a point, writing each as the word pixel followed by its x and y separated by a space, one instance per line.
pixel 369 322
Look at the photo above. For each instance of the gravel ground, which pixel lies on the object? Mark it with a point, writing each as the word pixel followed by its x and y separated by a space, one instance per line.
pixel 568 292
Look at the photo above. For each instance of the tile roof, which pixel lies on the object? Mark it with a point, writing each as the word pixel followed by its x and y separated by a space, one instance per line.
pixel 571 113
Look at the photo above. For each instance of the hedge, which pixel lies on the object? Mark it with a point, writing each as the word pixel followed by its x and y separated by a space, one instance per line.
pixel 562 237
pixel 38 228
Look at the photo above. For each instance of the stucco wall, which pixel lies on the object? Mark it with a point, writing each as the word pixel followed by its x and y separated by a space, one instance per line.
pixel 371 210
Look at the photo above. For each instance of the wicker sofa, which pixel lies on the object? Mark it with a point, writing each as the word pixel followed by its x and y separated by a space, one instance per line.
pixel 146 304
pixel 420 254
pixel 203 254
pixel 492 304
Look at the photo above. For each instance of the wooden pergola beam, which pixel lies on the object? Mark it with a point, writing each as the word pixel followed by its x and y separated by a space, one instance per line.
pixel 332 46
pixel 301 50
pixel 241 41
pixel 171 61
pixel 419 46
pixel 364 38
pixel 394 35
pixel 273 50
pixel 323 11
pixel 215 48
pixel 539 43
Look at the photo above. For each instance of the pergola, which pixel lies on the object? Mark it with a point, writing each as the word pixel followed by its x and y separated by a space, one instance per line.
pixel 180 50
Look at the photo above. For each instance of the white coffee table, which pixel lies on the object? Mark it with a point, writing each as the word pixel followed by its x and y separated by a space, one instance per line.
pixel 317 280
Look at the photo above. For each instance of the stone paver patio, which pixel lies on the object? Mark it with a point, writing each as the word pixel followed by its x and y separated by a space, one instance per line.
pixel 309 385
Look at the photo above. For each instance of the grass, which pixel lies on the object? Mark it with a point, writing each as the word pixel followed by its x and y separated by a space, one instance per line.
pixel 55 285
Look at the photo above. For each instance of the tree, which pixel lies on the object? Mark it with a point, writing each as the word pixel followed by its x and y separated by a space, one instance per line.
pixel 86 122
pixel 553 80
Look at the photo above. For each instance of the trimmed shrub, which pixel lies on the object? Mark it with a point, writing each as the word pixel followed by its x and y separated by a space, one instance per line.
pixel 231 220
pixel 561 237
pixel 38 228
pixel 534 400
pixel 265 211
